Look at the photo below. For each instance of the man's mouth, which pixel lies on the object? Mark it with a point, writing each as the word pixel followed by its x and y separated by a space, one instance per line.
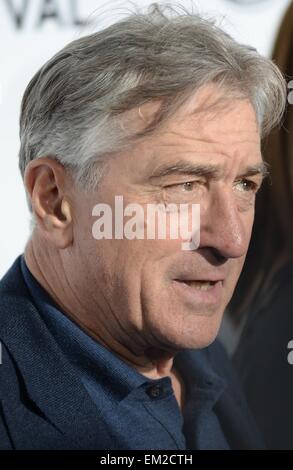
pixel 200 285
pixel 199 291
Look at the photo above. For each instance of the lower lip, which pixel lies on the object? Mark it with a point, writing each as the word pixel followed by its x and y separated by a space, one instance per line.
pixel 197 296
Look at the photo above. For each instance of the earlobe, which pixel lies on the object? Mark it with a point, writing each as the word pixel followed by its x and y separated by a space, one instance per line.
pixel 57 227
pixel 46 183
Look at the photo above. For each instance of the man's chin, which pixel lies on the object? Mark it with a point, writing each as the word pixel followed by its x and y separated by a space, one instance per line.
pixel 198 335
pixel 200 342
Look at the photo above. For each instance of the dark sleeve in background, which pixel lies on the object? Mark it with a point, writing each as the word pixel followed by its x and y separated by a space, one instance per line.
pixel 261 361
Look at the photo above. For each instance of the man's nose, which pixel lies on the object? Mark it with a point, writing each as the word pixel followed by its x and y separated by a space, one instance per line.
pixel 224 228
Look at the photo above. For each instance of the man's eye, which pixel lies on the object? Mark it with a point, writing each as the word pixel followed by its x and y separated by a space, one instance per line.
pixel 188 186
pixel 184 192
pixel 185 187
pixel 246 186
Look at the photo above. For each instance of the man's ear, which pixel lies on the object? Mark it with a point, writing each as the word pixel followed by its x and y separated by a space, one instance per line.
pixel 47 183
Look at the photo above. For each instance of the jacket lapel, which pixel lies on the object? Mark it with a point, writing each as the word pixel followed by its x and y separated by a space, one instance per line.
pixel 49 378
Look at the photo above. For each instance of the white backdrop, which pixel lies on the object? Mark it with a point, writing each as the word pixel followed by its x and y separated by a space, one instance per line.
pixel 32 30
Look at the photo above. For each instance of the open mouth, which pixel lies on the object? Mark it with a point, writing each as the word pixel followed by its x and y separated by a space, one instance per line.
pixel 195 292
pixel 199 285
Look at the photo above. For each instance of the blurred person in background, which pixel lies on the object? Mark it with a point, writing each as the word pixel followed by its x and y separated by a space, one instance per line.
pixel 265 289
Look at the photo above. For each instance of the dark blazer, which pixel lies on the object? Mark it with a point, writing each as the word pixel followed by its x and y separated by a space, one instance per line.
pixel 43 403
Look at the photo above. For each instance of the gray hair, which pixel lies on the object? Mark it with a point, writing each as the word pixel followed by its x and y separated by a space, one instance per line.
pixel 71 108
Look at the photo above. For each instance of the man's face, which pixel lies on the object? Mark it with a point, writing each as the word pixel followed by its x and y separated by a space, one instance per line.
pixel 152 293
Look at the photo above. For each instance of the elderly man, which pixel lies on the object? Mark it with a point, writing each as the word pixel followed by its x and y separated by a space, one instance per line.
pixel 108 341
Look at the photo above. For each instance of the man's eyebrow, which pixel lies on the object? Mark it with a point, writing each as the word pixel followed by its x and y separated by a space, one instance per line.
pixel 205 170
pixel 261 169
pixel 187 168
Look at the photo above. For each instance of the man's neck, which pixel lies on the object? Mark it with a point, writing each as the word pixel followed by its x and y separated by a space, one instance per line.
pixel 151 362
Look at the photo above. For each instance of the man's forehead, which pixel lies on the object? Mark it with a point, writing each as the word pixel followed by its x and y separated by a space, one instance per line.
pixel 183 154
pixel 183 150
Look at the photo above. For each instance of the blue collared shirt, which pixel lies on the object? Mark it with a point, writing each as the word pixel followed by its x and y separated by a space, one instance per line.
pixel 139 413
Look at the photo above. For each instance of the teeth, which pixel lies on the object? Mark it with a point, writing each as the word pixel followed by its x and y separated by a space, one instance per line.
pixel 200 285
